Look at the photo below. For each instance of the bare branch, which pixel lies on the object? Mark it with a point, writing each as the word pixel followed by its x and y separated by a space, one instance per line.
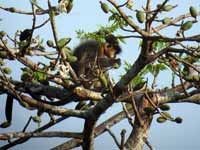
pixel 9 136
pixel 113 136
pixel 14 10
pixel 127 19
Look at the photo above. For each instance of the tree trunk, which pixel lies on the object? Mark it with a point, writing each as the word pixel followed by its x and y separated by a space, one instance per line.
pixel 139 134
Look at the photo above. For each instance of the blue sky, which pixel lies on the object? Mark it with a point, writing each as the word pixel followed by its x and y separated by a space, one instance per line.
pixel 87 15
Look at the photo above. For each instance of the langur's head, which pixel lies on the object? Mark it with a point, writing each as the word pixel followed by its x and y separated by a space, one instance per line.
pixel 112 47
pixel 111 50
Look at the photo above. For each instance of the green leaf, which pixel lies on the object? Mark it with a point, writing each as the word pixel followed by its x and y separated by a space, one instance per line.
pixel 36 119
pixel 150 68
pixel 71 58
pixel 161 67
pixel 39 76
pixel 62 42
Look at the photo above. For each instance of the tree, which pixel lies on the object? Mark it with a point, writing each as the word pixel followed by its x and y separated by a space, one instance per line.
pixel 41 88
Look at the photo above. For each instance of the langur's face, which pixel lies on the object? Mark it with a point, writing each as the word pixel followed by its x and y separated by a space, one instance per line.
pixel 109 51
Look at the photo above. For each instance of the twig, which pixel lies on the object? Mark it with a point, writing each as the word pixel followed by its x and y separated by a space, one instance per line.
pixel 113 136
pixel 179 18
pixel 40 12
pixel 154 81
pixel 135 109
pixel 123 132
pixel 148 144
pixel 42 24
pixel 10 86
pixel 130 119
pixel 157 11
pixel 22 140
pixel 155 107
pixel 98 130
pixel 128 20
pixel 28 122
pixel 60 50
pixel 7 136
pixel 181 80
pixel 122 5
pixel 150 101
pixel 55 34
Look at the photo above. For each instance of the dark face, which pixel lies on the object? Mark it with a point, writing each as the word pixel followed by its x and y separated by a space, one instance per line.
pixel 109 51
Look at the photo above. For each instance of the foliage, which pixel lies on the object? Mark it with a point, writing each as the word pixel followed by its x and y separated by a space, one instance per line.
pixel 49 85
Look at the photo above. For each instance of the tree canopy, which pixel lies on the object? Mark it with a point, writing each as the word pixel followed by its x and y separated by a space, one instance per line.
pixel 49 84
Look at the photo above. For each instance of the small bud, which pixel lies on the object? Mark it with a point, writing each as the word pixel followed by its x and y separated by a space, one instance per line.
pixel 166 20
pixel 2 34
pixel 3 54
pixel 161 120
pixel 36 119
pixel 62 42
pixel 167 7
pixel 104 7
pixel 50 43
pixel 166 115
pixel 187 25
pixel 5 124
pixel 129 5
pixel 71 58
pixel 164 107
pixel 69 7
pixel 149 110
pixel 12 9
pixel 193 12
pixel 178 120
pixel 7 70
pixel 140 16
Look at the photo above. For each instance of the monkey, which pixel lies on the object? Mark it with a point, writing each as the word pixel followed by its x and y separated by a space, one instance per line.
pixel 93 56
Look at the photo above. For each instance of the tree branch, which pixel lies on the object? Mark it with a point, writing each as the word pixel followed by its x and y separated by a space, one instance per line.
pixel 9 136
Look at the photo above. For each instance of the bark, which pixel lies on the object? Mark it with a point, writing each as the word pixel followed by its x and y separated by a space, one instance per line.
pixel 139 134
pixel 89 131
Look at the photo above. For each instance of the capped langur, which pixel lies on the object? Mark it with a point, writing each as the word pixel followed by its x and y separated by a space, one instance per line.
pixel 94 57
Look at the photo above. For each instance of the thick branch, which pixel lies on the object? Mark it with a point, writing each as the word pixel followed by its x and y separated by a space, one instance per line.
pixel 53 109
pixel 100 129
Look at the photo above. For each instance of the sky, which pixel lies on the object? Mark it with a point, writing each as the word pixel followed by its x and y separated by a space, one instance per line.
pixel 87 15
